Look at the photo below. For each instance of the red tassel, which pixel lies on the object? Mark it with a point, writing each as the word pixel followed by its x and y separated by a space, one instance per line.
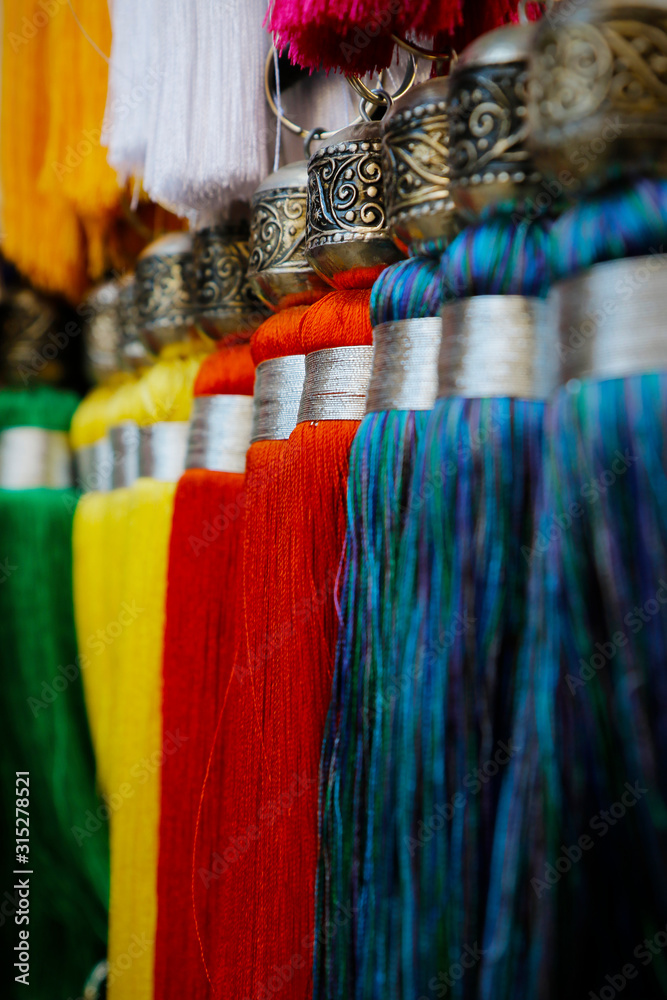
pixel 204 568
pixel 231 833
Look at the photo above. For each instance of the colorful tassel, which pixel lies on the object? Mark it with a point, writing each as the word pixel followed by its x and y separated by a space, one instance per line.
pixel 461 600
pixel 300 661
pixel 381 461
pixel 44 728
pixel 203 583
pixel 163 394
pixel 587 731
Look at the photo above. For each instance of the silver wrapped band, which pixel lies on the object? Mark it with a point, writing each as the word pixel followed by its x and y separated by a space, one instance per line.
pixel 497 345
pixel 278 388
pixel 94 465
pixel 124 441
pixel 162 450
pixel 31 457
pixel 336 384
pixel 405 365
pixel 219 436
pixel 612 318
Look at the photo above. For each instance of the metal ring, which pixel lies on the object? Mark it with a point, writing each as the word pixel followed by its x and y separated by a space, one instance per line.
pixel 384 98
pixel 420 53
pixel 290 125
pixel 369 95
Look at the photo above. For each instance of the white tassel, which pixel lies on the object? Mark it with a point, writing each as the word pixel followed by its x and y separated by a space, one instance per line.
pixel 210 139
pixel 134 82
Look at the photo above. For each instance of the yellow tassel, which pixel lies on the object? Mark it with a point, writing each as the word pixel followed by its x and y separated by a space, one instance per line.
pixel 163 393
pixel 41 233
pixel 59 194
pixel 95 565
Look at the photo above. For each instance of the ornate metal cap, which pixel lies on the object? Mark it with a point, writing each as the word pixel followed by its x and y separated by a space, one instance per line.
pixel 223 300
pixel 415 165
pixel 346 226
pixel 164 291
pixel 132 353
pixel 34 343
pixel 598 91
pixel 277 266
pixel 102 330
pixel 490 162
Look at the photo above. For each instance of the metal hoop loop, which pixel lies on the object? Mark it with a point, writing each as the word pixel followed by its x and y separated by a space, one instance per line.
pixel 315 133
pixel 421 53
pixel 370 96
pixel 291 126
pixel 383 98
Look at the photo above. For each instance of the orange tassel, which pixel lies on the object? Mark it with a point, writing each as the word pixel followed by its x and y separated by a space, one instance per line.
pixel 314 485
pixel 227 869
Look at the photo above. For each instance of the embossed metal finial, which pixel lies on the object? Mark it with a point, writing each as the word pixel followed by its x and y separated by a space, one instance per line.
pixel 415 165
pixel 598 91
pixel 223 300
pixel 277 267
pixel 102 330
pixel 132 353
pixel 490 161
pixel 164 291
pixel 347 224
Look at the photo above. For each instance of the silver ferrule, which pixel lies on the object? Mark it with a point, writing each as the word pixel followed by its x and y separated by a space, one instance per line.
pixel 124 441
pixel 336 384
pixel 31 457
pixel 611 319
pixel 278 388
pixel 219 435
pixel 162 450
pixel 94 465
pixel 497 345
pixel 405 365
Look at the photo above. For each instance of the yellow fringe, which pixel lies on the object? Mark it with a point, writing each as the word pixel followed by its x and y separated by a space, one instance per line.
pixel 97 558
pixel 59 194
pixel 163 393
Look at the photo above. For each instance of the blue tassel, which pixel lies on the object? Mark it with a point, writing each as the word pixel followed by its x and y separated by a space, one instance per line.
pixel 594 705
pixel 460 615
pixel 381 462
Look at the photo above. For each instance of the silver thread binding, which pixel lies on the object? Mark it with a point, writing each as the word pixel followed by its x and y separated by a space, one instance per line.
pixel 220 429
pixel 162 449
pixel 336 384
pixel 124 441
pixel 405 365
pixel 31 457
pixel 278 388
pixel 497 345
